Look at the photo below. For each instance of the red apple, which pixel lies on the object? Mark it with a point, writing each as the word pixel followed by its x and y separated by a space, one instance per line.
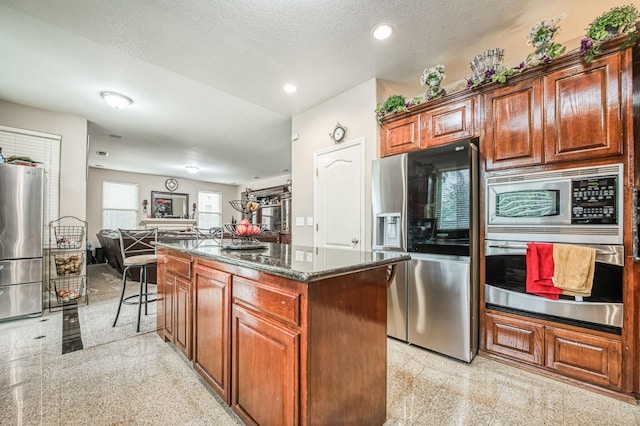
pixel 245 222
pixel 241 229
pixel 255 229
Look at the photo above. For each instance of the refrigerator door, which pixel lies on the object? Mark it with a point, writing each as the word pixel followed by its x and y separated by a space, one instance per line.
pixel 397 304
pixel 21 198
pixel 439 305
pixel 388 202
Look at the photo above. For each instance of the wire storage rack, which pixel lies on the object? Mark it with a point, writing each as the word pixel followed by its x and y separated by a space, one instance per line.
pixel 67 268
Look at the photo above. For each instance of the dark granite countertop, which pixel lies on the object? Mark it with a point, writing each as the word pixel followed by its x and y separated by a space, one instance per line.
pixel 301 263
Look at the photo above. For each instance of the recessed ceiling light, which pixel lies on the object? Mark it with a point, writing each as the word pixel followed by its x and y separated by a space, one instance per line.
pixel 192 169
pixel 102 153
pixel 116 100
pixel 290 88
pixel 382 31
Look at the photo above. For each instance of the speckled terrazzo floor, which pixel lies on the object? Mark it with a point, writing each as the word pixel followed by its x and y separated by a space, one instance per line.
pixel 127 378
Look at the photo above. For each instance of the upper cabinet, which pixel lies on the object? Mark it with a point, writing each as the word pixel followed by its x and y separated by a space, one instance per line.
pixel 570 114
pixel 428 125
pixel 582 111
pixel 446 123
pixel 399 136
pixel 566 111
pixel 513 125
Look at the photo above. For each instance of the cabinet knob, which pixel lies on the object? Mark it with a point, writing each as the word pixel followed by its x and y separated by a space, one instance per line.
pixel 354 240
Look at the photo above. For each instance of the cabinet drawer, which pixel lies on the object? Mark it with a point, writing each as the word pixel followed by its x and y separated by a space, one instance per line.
pixel 518 339
pixel 179 266
pixel 585 357
pixel 280 304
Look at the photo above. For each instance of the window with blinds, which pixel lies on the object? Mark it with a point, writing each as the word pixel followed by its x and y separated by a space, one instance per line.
pixel 119 205
pixel 44 149
pixel 209 206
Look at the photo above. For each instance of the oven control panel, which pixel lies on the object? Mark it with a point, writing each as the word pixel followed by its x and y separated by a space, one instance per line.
pixel 594 201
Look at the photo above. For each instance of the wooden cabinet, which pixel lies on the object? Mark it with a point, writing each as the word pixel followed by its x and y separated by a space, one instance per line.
pixel 174 296
pixel 522 340
pixel 581 355
pixel 582 111
pixel 266 353
pixel 400 136
pixel 585 357
pixel 571 114
pixel 513 125
pixel 447 123
pixel 211 327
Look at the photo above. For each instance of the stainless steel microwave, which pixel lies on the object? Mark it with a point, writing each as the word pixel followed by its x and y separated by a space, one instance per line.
pixel 579 205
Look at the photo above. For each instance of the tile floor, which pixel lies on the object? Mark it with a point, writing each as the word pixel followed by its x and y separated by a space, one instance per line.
pixel 127 378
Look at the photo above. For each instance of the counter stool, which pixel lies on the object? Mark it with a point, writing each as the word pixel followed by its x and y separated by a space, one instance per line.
pixel 208 234
pixel 138 251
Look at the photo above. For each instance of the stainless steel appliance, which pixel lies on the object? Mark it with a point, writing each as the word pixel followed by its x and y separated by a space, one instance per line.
pixel 505 288
pixel 424 204
pixel 580 205
pixel 389 184
pixel 21 229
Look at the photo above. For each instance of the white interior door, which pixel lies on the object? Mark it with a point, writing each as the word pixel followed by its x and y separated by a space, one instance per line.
pixel 339 196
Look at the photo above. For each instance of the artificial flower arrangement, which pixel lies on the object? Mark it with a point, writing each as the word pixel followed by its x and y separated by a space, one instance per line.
pixel 432 77
pixel 618 20
pixel 395 103
pixel 541 38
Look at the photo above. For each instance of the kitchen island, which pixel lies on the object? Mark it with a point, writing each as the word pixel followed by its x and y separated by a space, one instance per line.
pixel 285 335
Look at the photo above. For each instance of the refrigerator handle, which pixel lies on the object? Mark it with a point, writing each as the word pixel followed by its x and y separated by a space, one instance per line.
pixel 391 273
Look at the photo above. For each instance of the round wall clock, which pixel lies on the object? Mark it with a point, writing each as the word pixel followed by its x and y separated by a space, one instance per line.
pixel 339 133
pixel 171 184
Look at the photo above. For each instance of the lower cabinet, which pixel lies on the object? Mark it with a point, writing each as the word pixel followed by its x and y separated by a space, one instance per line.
pixel 266 353
pixel 174 298
pixel 580 355
pixel 211 328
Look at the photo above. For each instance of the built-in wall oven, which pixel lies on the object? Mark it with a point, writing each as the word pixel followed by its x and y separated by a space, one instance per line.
pixel 578 206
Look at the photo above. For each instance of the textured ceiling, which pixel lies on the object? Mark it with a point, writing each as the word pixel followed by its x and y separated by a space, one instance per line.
pixel 207 76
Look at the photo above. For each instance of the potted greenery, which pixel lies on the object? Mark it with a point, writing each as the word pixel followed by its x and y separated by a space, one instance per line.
pixel 395 103
pixel 619 20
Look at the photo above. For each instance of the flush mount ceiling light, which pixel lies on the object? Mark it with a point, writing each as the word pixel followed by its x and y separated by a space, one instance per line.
pixel 192 169
pixel 116 100
pixel 290 88
pixel 382 32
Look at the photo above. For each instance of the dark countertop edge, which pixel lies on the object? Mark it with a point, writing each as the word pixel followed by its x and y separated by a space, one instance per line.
pixel 285 272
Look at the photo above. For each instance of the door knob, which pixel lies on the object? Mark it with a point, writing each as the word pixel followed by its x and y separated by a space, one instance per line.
pixel 354 240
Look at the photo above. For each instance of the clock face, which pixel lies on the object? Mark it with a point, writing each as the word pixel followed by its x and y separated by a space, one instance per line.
pixel 171 184
pixel 339 133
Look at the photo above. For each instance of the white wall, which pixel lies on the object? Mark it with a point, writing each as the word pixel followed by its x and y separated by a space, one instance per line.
pixel 355 110
pixel 146 184
pixel 73 155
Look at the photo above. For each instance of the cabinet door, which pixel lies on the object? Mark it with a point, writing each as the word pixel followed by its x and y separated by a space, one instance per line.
pixel 446 124
pixel 400 136
pixel 211 329
pixel 585 357
pixel 517 339
pixel 182 316
pixel 513 126
pixel 583 112
pixel 167 303
pixel 265 368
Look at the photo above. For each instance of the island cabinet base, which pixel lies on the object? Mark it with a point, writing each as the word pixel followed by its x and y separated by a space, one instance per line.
pixel 287 352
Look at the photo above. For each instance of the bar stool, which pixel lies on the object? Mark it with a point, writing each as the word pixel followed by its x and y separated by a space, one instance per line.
pixel 138 251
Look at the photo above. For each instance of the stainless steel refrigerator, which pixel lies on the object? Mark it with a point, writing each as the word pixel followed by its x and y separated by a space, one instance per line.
pixel 425 204
pixel 21 236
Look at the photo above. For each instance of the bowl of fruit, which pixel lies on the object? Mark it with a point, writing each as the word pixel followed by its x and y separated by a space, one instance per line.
pixel 244 228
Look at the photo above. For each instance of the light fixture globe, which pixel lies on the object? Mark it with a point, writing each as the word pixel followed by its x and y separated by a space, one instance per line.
pixel 116 100
pixel 192 169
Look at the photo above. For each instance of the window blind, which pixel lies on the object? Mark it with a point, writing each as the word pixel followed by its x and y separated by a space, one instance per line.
pixel 119 205
pixel 209 206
